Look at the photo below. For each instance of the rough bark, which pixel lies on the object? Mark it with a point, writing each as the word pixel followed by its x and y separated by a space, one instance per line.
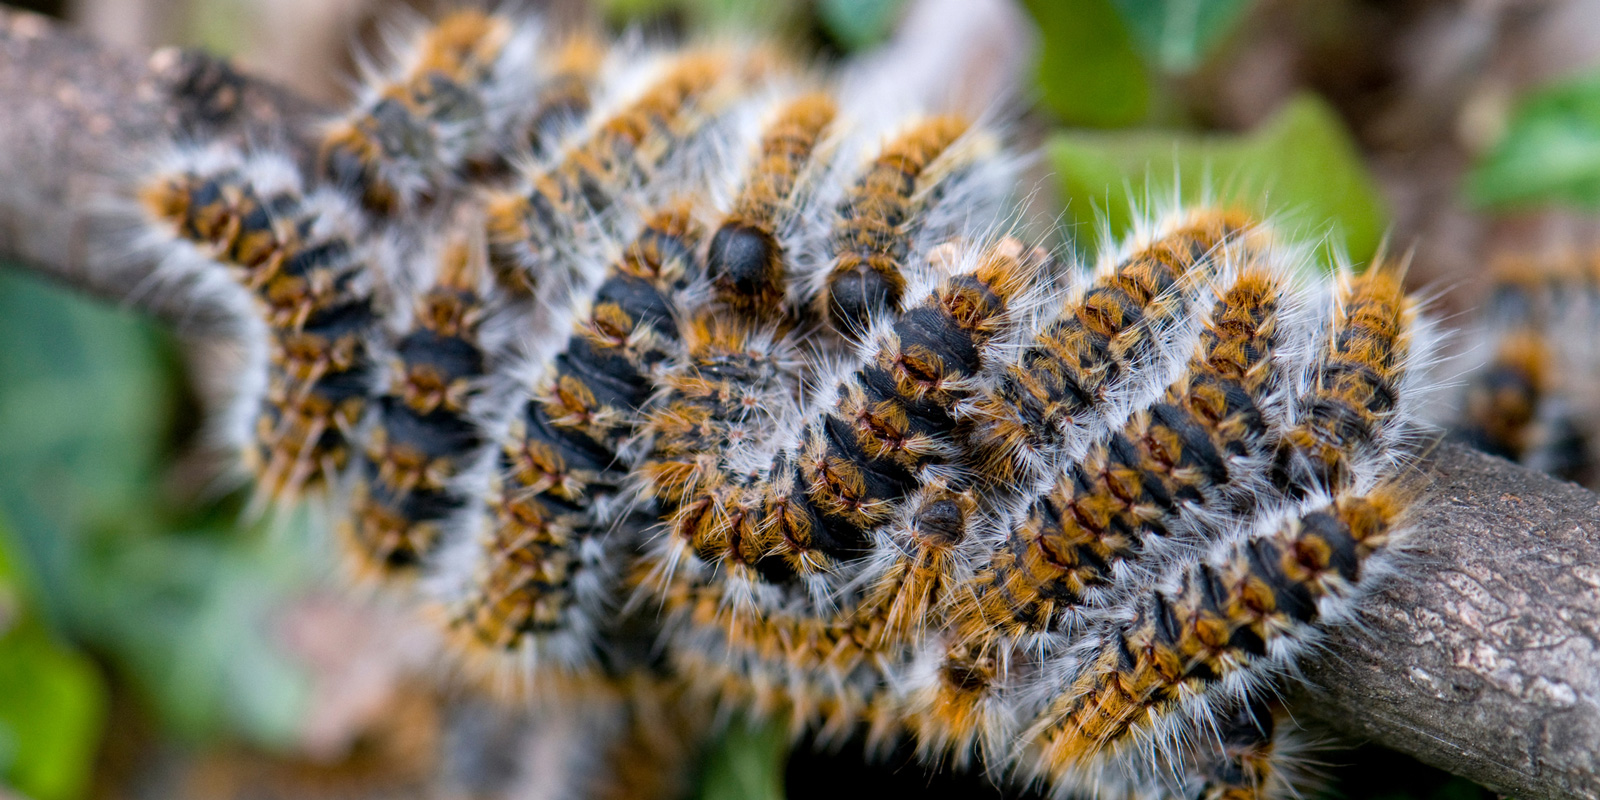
pixel 1483 656
pixel 1484 659
pixel 77 117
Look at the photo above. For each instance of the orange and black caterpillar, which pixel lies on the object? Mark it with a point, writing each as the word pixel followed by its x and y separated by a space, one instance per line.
pixel 535 231
pixel 747 262
pixel 566 96
pixel 559 462
pixel 1522 404
pixel 1234 618
pixel 817 504
pixel 1176 467
pixel 421 129
pixel 1080 371
pixel 739 375
pixel 831 515
pixel 426 433
pixel 1355 400
pixel 311 285
pixel 871 240
pixel 1172 474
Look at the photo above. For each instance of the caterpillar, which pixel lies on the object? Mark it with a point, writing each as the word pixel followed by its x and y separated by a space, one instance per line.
pixel 536 232
pixel 1176 468
pixel 1522 404
pixel 823 436
pixel 312 285
pixel 1219 626
pixel 445 105
pixel 427 433
pixel 1361 396
pixel 543 569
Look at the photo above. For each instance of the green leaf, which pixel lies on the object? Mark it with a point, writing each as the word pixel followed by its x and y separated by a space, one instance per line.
pixel 84 408
pixel 736 15
pixel 746 763
pixel 86 397
pixel 1300 168
pixel 858 24
pixel 1550 152
pixel 1089 72
pixel 1177 35
pixel 52 700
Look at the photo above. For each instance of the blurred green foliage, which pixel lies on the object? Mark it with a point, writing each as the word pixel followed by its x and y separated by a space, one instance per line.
pixel 172 598
pixel 1089 72
pixel 849 25
pixel 1178 35
pixel 52 698
pixel 746 763
pixel 1550 152
pixel 1300 167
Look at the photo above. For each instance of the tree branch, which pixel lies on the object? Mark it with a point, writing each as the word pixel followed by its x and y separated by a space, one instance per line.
pixel 1483 660
pixel 77 117
pixel 1484 657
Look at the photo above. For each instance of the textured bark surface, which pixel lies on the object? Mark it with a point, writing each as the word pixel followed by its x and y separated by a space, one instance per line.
pixel 1484 659
pixel 78 116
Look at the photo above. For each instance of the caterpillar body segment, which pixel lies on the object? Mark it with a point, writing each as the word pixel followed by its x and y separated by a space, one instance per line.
pixel 541 232
pixel 551 558
pixel 315 287
pixel 752 253
pixel 445 108
pixel 1111 347
pixel 1361 395
pixel 567 95
pixel 427 432
pixel 1220 626
pixel 935 180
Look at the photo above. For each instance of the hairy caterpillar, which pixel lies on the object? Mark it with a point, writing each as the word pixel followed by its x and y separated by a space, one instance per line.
pixel 864 458
pixel 1526 403
pixel 312 284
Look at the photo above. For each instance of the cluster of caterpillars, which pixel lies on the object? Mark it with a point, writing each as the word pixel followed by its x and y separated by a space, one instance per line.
pixel 688 369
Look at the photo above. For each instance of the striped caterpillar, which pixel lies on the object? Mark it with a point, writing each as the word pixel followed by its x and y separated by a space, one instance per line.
pixel 679 368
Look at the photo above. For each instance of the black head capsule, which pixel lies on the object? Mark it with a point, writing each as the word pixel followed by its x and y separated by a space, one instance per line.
pixel 746 266
pixel 854 296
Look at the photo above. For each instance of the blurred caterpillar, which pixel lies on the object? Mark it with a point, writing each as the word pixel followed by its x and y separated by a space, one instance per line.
pixel 312 283
pixel 1527 402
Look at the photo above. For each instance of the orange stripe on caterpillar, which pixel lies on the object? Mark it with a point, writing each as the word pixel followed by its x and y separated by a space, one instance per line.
pixel 746 262
pixel 871 237
pixel 1227 614
pixel 424 436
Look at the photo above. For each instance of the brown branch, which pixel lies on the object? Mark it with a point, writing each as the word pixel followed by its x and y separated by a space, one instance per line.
pixel 77 116
pixel 1484 657
pixel 1484 660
